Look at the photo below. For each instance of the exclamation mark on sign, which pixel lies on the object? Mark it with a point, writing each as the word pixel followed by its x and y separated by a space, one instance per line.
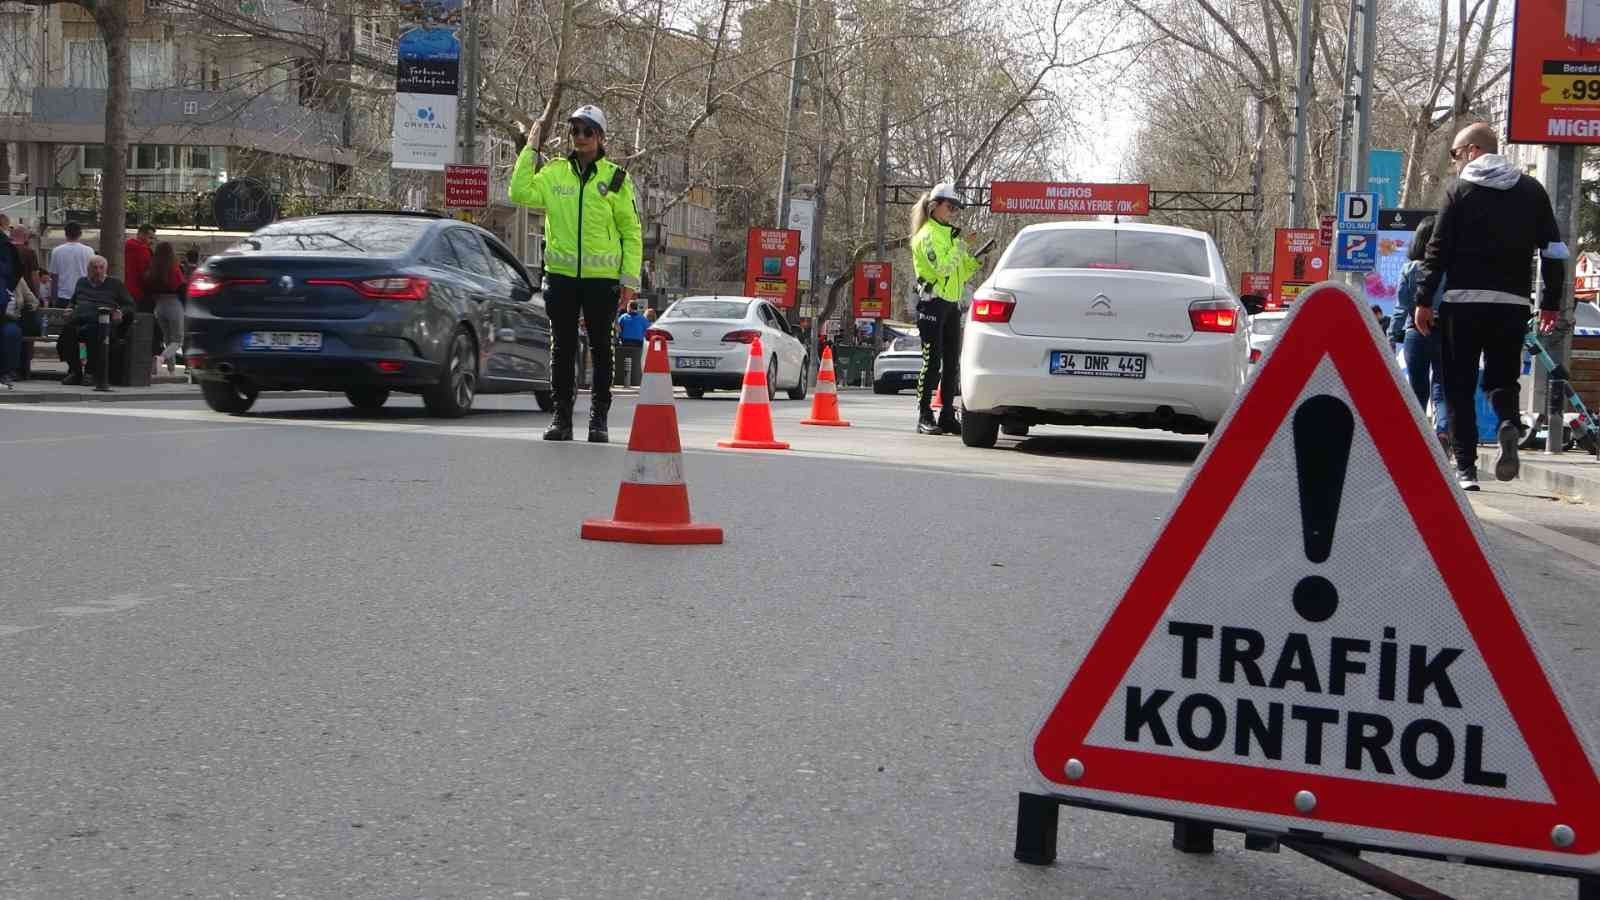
pixel 1323 428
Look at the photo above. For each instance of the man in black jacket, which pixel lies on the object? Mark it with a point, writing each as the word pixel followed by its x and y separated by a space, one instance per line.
pixel 93 291
pixel 1493 219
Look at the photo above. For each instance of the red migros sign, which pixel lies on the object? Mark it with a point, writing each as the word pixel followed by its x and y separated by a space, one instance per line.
pixel 1062 198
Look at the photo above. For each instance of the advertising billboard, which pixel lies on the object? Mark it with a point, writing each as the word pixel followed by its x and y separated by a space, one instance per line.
pixel 1555 73
pixel 1299 260
pixel 772 265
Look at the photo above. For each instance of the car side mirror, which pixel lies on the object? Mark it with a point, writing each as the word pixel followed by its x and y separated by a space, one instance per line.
pixel 1253 303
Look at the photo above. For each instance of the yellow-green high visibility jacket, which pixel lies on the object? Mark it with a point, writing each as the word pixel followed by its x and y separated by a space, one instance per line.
pixel 941 260
pixel 595 237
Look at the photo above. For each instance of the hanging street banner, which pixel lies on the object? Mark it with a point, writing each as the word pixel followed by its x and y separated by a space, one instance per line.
pixel 802 218
pixel 1408 711
pixel 870 292
pixel 1069 198
pixel 772 265
pixel 1299 260
pixel 1385 171
pixel 427 84
pixel 1555 73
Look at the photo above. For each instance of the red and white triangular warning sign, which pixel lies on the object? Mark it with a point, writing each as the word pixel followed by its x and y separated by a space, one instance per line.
pixel 1318 641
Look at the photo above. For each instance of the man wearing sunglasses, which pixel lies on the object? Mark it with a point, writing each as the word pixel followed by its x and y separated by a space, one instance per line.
pixel 1492 221
pixel 592 250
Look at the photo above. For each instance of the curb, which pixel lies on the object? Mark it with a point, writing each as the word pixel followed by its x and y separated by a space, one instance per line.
pixel 1568 485
pixel 124 395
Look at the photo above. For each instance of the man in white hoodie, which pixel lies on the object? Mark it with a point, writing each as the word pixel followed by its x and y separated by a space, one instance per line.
pixel 1492 221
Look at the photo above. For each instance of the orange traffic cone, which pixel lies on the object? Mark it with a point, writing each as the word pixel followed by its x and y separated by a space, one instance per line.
pixel 752 424
pixel 938 396
pixel 653 502
pixel 825 405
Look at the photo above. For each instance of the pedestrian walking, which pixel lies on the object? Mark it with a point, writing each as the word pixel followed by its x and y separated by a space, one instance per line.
pixel 164 283
pixel 1492 221
pixel 592 255
pixel 631 327
pixel 1423 353
pixel 136 255
pixel 69 263
pixel 943 266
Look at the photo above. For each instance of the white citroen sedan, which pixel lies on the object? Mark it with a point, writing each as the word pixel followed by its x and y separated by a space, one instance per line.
pixel 1091 323
pixel 708 345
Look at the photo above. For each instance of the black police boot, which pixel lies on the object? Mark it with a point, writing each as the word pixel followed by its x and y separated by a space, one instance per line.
pixel 561 426
pixel 598 408
pixel 948 423
pixel 926 423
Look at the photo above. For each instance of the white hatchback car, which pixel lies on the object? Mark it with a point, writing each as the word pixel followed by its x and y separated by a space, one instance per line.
pixel 897 367
pixel 1092 323
pixel 708 344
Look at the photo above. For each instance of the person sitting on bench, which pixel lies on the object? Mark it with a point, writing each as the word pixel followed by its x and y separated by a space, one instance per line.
pixel 94 291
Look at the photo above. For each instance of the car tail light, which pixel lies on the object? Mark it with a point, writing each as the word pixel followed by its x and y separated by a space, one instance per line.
pixel 1255 355
pixel 389 366
pixel 743 336
pixel 398 287
pixel 1220 316
pixel 195 361
pixel 203 285
pixel 651 334
pixel 993 306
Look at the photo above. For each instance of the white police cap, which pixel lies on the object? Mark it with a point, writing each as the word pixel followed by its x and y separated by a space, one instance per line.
pixel 944 190
pixel 590 114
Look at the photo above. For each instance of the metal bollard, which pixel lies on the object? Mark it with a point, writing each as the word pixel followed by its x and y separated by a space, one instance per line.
pixel 103 373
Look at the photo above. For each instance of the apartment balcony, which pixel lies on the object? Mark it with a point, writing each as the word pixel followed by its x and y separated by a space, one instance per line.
pixel 176 116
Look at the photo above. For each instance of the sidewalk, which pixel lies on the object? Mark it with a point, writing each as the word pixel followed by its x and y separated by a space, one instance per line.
pixel 44 386
pixel 1574 475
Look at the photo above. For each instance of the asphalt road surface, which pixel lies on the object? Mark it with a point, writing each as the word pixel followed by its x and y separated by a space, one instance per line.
pixel 312 652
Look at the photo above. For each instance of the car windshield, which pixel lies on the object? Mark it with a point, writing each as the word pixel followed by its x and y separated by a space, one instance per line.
pixel 708 309
pixel 1109 248
pixel 341 235
pixel 1265 325
pixel 906 344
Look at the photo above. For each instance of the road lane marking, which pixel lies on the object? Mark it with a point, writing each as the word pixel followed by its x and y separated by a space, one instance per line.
pixel 113 604
pixel 120 434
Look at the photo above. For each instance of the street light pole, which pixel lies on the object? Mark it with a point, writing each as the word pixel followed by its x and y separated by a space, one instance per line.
pixel 1302 112
pixel 796 75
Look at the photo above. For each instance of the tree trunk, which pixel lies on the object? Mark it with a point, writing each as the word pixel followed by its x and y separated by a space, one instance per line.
pixel 112 18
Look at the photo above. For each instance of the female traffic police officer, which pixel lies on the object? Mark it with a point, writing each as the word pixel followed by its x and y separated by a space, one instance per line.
pixel 943 265
pixel 591 257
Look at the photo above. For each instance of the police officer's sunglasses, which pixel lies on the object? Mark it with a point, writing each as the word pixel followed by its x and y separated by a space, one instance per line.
pixel 579 129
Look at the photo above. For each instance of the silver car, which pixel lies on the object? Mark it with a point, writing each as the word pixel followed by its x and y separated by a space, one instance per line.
pixel 897 367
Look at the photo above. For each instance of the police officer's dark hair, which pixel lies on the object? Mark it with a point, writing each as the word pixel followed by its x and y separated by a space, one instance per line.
pixel 1419 241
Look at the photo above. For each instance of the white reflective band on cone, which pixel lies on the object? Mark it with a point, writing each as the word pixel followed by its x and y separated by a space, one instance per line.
pixel 753 394
pixel 652 468
pixel 825 386
pixel 655 389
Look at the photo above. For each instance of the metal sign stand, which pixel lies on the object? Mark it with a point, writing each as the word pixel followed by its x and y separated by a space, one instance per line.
pixel 1038 816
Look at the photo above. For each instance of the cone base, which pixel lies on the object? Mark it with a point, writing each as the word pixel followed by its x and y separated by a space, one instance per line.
pixel 753 445
pixel 837 423
pixel 648 533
